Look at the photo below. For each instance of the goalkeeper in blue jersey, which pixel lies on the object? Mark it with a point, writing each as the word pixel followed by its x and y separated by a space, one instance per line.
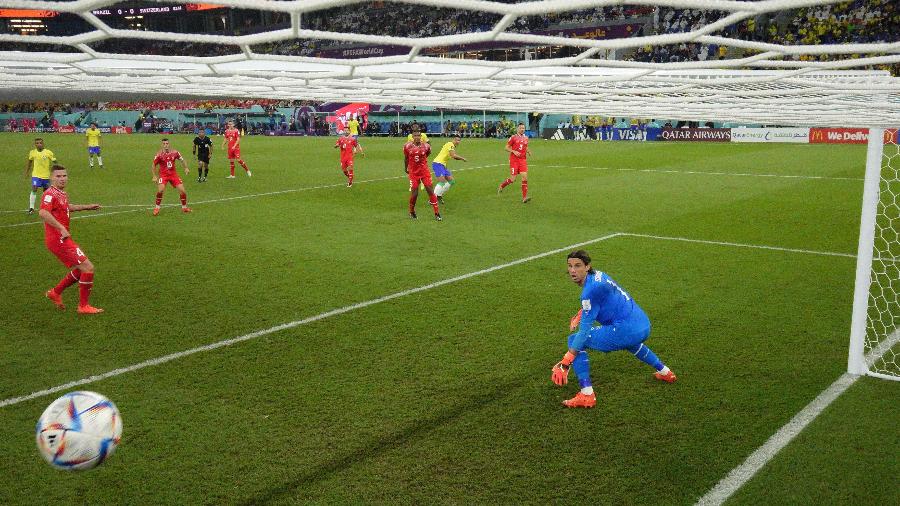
pixel 623 326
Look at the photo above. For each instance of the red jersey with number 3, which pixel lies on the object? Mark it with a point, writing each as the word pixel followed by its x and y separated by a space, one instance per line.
pixel 417 157
pixel 233 138
pixel 518 143
pixel 166 162
pixel 57 202
pixel 346 145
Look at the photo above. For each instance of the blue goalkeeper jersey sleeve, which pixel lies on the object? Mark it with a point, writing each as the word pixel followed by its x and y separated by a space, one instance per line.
pixel 602 301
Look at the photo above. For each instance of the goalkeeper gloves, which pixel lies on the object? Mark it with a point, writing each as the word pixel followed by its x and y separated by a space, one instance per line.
pixel 573 323
pixel 560 371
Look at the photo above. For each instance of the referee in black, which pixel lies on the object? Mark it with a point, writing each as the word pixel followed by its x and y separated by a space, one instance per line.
pixel 201 149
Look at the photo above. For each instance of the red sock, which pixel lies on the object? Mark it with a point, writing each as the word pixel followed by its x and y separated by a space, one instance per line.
pixel 70 279
pixel 350 175
pixel 412 203
pixel 244 165
pixel 346 174
pixel 524 189
pixel 158 198
pixel 184 199
pixel 85 284
pixel 506 183
pixel 434 205
pixel 232 167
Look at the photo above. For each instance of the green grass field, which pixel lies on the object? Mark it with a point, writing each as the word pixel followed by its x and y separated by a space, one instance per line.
pixel 444 395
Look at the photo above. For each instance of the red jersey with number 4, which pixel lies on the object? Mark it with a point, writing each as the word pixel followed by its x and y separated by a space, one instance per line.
pixel 518 143
pixel 417 157
pixel 57 202
pixel 346 146
pixel 166 162
pixel 233 138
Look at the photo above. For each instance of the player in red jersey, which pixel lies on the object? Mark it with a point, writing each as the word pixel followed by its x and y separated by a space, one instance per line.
pixel 517 146
pixel 348 146
pixel 233 141
pixel 55 208
pixel 168 175
pixel 415 155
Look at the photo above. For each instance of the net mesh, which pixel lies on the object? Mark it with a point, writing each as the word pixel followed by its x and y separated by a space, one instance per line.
pixel 766 82
pixel 883 319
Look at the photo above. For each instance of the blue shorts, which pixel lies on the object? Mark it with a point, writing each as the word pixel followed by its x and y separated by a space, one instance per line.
pixel 620 335
pixel 355 136
pixel 38 182
pixel 94 150
pixel 440 170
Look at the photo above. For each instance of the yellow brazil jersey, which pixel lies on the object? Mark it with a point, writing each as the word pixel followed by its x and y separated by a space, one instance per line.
pixel 93 136
pixel 353 125
pixel 444 156
pixel 424 137
pixel 41 162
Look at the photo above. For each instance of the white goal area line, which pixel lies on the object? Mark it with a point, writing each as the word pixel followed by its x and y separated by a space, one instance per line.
pixel 743 473
pixel 228 342
pixel 145 207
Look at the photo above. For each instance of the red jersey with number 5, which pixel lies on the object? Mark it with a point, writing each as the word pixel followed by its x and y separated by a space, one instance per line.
pixel 57 202
pixel 233 138
pixel 518 143
pixel 417 157
pixel 346 145
pixel 166 162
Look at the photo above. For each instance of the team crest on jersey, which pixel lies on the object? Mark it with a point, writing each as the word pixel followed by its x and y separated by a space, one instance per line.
pixel 48 198
pixel 586 304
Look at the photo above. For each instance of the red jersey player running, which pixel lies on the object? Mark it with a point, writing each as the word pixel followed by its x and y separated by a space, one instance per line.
pixel 518 161
pixel 55 208
pixel 165 159
pixel 348 146
pixel 233 140
pixel 415 155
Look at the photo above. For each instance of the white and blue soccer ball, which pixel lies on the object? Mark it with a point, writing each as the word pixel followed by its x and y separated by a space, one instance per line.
pixel 79 431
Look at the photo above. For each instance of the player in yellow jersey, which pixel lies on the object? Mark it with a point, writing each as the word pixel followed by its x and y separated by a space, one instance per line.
pixel 409 137
pixel 92 136
pixel 39 161
pixel 353 126
pixel 439 166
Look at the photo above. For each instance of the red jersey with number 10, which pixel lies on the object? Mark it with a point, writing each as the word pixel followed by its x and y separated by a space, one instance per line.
pixel 166 162
pixel 346 145
pixel 518 143
pixel 417 157
pixel 57 202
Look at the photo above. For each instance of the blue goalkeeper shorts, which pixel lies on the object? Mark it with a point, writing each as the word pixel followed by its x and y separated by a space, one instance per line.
pixel 440 170
pixel 619 335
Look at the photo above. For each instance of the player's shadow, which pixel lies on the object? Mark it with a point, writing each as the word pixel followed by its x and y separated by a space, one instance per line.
pixel 387 443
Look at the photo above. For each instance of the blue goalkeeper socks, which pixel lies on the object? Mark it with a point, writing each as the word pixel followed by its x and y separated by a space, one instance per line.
pixel 581 366
pixel 645 355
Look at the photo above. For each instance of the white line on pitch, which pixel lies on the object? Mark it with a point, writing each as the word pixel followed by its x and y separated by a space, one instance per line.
pixel 740 245
pixel 705 173
pixel 144 207
pixel 290 325
pixel 758 459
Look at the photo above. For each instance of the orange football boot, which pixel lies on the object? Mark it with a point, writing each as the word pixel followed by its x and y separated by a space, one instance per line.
pixel 669 377
pixel 56 298
pixel 185 209
pixel 88 309
pixel 581 401
pixel 155 211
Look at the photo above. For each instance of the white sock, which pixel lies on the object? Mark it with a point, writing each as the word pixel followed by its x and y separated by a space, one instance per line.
pixel 91 161
pixel 447 187
pixel 587 390
pixel 664 370
pixel 100 160
pixel 31 199
pixel 439 189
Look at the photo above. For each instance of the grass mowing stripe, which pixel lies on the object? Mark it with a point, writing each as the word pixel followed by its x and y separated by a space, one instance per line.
pixel 284 326
pixel 707 173
pixel 238 197
pixel 741 474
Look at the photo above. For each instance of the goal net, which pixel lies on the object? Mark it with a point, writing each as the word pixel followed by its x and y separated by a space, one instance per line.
pixel 875 329
pixel 646 60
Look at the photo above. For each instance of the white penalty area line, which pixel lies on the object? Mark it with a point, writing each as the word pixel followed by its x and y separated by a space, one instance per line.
pixel 706 173
pixel 743 473
pixel 284 326
pixel 740 245
pixel 145 207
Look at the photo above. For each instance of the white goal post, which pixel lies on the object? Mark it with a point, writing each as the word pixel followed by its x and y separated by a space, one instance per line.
pixel 875 324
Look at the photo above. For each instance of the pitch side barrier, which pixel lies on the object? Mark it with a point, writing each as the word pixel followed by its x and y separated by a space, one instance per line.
pixel 751 135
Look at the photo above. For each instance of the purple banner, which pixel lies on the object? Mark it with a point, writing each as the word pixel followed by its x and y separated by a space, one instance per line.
pixel 695 134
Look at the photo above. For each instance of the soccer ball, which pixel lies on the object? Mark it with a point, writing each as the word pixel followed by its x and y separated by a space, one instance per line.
pixel 78 431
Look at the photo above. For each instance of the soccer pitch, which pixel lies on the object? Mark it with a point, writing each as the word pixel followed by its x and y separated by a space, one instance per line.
pixel 416 366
